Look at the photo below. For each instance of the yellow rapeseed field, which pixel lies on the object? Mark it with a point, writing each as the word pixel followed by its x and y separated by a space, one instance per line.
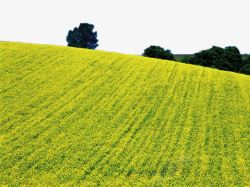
pixel 83 117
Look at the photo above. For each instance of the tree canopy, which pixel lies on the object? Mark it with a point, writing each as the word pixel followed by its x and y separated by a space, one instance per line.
pixel 83 37
pixel 158 52
pixel 228 58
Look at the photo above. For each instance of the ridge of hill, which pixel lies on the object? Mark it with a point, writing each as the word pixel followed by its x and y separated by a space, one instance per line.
pixel 76 116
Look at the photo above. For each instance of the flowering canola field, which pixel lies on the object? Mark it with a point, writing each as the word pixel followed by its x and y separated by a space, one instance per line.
pixel 81 117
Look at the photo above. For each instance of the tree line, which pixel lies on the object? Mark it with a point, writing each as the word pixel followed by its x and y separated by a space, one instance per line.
pixel 228 58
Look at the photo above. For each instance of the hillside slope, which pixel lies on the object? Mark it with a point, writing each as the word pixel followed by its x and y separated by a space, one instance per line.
pixel 76 116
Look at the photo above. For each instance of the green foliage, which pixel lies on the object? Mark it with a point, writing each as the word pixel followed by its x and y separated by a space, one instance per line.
pixel 158 52
pixel 245 65
pixel 228 59
pixel 213 57
pixel 245 69
pixel 185 58
pixel 83 37
pixel 233 58
pixel 73 117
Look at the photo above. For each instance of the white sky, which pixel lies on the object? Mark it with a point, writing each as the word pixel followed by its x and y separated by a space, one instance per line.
pixel 129 26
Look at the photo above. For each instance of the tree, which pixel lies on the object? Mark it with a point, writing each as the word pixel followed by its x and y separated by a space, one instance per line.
pixel 245 66
pixel 186 58
pixel 232 57
pixel 245 69
pixel 212 57
pixel 217 57
pixel 158 52
pixel 83 37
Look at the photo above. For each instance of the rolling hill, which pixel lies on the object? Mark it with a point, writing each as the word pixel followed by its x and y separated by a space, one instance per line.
pixel 76 116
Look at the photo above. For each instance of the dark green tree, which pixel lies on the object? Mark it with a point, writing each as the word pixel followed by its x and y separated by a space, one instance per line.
pixel 245 69
pixel 83 37
pixel 245 66
pixel 212 57
pixel 217 57
pixel 186 58
pixel 158 52
pixel 232 59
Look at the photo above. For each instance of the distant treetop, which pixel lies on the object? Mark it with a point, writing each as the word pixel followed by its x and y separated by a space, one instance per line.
pixel 83 37
pixel 158 52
